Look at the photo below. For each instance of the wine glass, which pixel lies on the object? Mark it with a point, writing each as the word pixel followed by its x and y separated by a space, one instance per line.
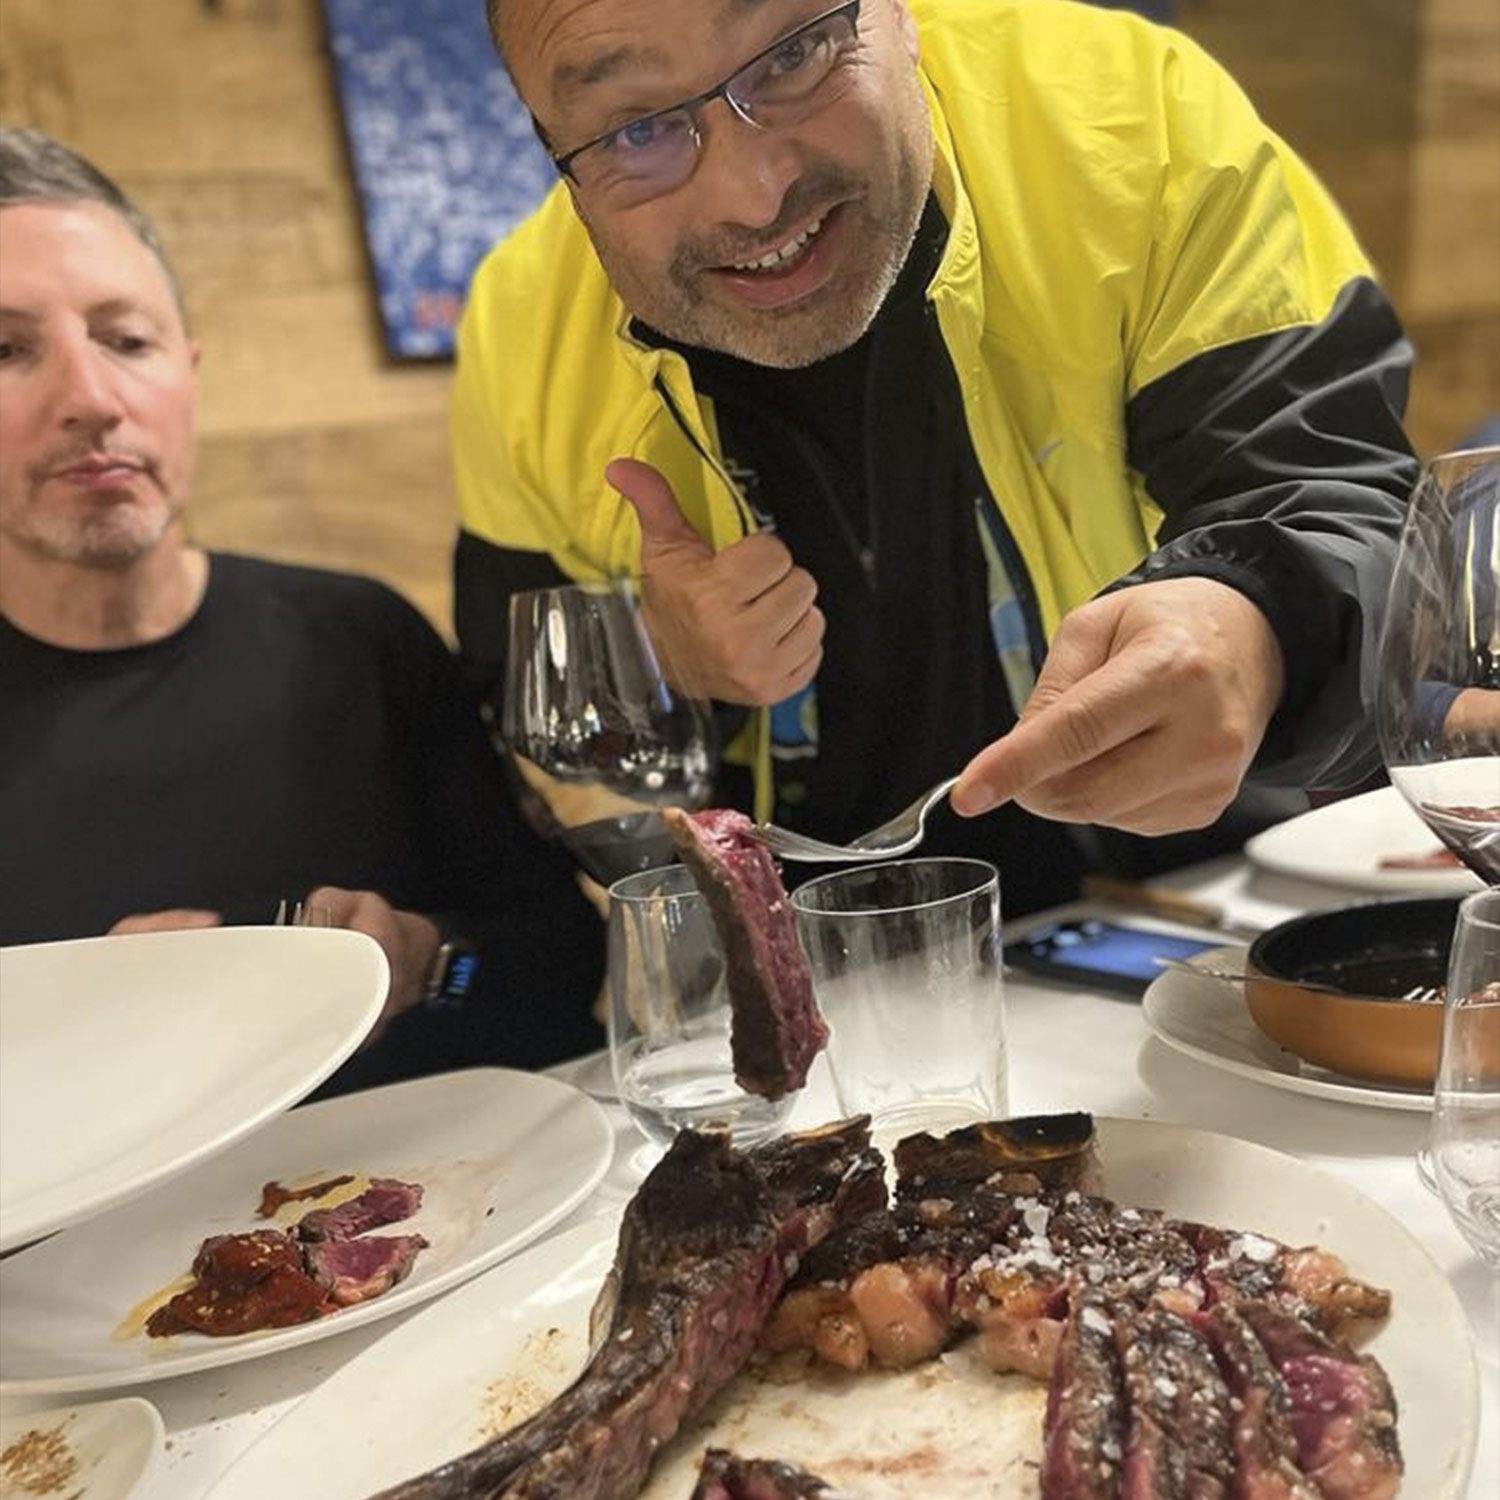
pixel 1464 1150
pixel 1438 694
pixel 595 728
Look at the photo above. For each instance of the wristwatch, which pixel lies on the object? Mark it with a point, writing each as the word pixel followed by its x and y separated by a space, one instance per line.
pixel 451 977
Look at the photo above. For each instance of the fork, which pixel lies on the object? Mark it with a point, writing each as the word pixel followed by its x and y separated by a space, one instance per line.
pixel 1422 994
pixel 899 835
pixel 296 913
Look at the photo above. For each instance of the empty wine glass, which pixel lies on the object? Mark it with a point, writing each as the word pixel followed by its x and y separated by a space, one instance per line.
pixel 596 729
pixel 1463 1154
pixel 1438 694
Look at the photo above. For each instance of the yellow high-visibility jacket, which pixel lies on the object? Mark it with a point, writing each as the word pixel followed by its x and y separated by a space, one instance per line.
pixel 1117 212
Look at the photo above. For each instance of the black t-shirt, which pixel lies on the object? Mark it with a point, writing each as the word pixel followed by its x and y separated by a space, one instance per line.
pixel 302 728
pixel 863 464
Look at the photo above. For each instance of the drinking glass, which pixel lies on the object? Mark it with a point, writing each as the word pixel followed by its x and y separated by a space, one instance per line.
pixel 1464 1150
pixel 669 1014
pixel 595 728
pixel 905 961
pixel 1438 693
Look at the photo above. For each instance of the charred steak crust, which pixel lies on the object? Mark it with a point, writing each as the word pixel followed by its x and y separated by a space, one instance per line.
pixel 727 1476
pixel 705 1247
pixel 776 1029
pixel 1057 1151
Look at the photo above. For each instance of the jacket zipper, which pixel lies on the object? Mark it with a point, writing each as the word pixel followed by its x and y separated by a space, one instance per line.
pixel 750 520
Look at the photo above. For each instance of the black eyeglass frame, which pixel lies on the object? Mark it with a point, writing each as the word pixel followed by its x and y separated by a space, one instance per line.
pixel 564 161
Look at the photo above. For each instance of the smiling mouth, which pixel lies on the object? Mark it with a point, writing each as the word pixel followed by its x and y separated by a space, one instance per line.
pixel 784 255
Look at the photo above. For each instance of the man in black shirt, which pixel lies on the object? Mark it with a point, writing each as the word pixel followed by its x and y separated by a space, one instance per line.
pixel 189 738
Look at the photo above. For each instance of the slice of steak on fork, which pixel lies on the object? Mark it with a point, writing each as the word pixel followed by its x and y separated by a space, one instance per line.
pixel 1342 1409
pixel 705 1247
pixel 775 1029
pixel 727 1476
pixel 385 1201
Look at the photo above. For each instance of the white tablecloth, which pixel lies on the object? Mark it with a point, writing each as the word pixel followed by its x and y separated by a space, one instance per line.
pixel 1068 1049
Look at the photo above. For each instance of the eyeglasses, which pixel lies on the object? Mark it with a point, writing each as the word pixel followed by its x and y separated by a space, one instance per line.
pixel 800 73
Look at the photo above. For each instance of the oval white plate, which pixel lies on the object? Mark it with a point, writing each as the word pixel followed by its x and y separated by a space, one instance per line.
pixel 484 1358
pixel 124 1060
pixel 113 1447
pixel 501 1157
pixel 1208 1019
pixel 1344 842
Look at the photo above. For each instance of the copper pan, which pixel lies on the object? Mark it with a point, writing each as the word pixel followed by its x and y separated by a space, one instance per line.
pixel 1328 986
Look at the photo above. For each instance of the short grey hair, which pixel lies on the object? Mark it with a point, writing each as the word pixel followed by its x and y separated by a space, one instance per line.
pixel 35 168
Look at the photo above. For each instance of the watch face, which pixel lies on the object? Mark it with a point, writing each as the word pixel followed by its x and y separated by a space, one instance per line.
pixel 462 966
pixel 453 972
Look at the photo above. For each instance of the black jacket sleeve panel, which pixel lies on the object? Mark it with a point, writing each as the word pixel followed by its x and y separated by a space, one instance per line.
pixel 484 577
pixel 1282 469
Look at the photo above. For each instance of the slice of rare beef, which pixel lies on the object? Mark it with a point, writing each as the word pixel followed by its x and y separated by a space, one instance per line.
pixel 1179 1409
pixel 1083 1432
pixel 1265 1452
pixel 360 1269
pixel 775 1030
pixel 727 1476
pixel 1341 1407
pixel 385 1201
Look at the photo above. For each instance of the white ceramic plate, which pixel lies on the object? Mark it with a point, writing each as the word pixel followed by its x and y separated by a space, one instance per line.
pixel 101 1452
pixel 501 1157
pixel 1208 1019
pixel 492 1353
pixel 124 1060
pixel 1344 842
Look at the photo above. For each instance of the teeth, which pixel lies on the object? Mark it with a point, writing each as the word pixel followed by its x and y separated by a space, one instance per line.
pixel 778 257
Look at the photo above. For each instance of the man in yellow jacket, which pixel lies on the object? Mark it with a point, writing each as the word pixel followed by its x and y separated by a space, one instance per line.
pixel 975 383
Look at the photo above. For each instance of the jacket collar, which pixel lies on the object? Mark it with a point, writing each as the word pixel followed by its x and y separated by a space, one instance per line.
pixel 958 274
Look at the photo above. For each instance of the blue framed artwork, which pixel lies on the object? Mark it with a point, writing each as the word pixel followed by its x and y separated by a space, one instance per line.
pixel 445 160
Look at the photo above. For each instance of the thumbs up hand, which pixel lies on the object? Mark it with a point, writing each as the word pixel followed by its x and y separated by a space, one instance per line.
pixel 738 625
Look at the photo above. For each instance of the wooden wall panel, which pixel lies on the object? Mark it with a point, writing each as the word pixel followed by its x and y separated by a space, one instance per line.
pixel 222 120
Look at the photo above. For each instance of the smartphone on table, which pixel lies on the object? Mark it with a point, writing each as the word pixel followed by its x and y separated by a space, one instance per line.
pixel 1097 952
